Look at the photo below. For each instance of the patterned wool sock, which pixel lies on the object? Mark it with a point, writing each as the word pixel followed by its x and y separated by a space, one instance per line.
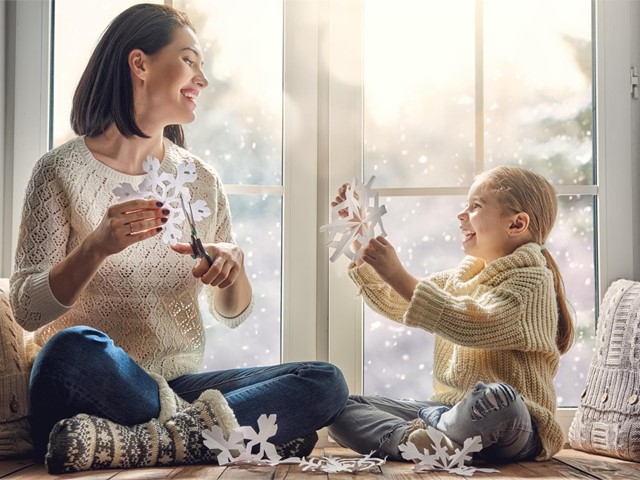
pixel 298 447
pixel 86 442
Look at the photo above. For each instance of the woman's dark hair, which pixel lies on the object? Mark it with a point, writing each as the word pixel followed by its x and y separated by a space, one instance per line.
pixel 105 93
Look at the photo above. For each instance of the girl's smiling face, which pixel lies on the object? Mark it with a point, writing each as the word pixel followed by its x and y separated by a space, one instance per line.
pixel 174 79
pixel 485 225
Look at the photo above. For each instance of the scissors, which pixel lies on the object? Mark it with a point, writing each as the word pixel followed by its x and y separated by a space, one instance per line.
pixel 196 244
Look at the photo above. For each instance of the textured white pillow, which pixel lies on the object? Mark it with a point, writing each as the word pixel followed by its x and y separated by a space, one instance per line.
pixel 608 419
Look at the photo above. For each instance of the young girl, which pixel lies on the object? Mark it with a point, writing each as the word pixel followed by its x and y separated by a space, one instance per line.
pixel 113 307
pixel 501 322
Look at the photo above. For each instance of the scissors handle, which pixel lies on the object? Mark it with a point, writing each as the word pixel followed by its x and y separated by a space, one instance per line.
pixel 199 251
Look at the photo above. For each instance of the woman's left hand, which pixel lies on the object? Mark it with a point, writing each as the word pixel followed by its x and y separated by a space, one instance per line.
pixel 228 262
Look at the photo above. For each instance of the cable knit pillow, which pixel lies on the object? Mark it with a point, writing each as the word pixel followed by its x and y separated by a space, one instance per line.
pixel 16 358
pixel 608 419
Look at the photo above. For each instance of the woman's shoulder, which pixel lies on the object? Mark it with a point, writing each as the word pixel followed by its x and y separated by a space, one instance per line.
pixel 63 157
pixel 181 155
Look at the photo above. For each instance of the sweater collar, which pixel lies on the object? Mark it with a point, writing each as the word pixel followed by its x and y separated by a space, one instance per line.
pixel 526 256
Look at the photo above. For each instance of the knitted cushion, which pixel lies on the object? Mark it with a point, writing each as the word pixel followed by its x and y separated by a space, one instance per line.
pixel 608 419
pixel 15 366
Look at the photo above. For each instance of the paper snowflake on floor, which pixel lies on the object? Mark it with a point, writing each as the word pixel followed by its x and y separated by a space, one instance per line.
pixel 456 462
pixel 243 441
pixel 166 188
pixel 363 218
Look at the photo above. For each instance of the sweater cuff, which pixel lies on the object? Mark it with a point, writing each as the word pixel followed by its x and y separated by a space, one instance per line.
pixel 233 322
pixel 426 307
pixel 43 300
pixel 363 275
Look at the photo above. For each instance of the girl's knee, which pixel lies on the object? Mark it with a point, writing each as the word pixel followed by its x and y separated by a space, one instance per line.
pixel 488 399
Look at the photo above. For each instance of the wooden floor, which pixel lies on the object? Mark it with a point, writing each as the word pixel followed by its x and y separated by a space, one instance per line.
pixel 568 464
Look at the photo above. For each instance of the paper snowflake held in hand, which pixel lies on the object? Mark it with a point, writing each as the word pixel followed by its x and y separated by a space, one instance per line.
pixel 363 216
pixel 441 459
pixel 167 189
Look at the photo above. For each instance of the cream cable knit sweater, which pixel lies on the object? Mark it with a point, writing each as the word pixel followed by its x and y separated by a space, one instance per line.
pixel 145 297
pixel 494 323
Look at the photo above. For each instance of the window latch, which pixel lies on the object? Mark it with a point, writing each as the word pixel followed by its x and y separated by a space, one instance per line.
pixel 634 84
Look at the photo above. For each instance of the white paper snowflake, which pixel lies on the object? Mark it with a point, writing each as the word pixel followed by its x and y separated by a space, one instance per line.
pixel 238 448
pixel 167 189
pixel 364 217
pixel 440 459
pixel 235 451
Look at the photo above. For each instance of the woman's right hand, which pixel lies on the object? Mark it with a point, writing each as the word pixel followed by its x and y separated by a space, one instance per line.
pixel 127 223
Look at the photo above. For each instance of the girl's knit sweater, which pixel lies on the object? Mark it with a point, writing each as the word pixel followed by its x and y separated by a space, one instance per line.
pixel 493 323
pixel 145 297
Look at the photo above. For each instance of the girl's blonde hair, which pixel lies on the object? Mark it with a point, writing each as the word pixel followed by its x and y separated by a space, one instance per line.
pixel 521 190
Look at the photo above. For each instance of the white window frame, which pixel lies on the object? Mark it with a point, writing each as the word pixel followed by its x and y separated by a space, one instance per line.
pixel 322 147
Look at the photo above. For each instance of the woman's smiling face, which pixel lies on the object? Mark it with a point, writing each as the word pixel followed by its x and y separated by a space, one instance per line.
pixel 174 80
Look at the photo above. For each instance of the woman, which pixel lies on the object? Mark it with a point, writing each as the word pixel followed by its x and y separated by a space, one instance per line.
pixel 113 307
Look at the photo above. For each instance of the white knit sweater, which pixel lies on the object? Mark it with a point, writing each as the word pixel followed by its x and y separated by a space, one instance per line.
pixel 145 297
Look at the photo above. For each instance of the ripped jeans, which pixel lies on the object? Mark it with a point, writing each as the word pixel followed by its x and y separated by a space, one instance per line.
pixel 496 412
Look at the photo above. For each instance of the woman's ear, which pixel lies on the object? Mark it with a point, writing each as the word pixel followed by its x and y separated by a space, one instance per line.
pixel 519 224
pixel 137 63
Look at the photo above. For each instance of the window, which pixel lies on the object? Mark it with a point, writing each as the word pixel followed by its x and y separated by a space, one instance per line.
pixel 324 117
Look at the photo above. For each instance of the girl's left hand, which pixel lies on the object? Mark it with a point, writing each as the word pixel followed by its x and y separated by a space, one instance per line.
pixel 228 262
pixel 382 256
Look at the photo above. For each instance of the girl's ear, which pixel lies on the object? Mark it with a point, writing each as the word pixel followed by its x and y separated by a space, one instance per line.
pixel 137 63
pixel 519 224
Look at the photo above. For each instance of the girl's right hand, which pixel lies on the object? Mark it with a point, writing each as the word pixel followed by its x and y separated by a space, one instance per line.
pixel 127 223
pixel 341 197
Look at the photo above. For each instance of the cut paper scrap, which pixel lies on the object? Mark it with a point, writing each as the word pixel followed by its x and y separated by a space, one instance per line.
pixel 166 188
pixel 440 459
pixel 364 217
pixel 331 464
pixel 238 449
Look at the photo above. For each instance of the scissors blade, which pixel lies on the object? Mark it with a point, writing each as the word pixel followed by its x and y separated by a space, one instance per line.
pixel 187 215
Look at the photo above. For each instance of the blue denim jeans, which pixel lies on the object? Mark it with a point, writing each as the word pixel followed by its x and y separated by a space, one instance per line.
pixel 80 370
pixel 495 412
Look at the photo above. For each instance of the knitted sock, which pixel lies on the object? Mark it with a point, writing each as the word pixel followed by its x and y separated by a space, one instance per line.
pixel 86 442
pixel 298 447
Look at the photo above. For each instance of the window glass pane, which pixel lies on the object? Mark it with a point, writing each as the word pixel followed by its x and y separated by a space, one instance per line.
pixel 398 360
pixel 73 20
pixel 572 245
pixel 257 340
pixel 419 92
pixel 239 125
pixel 239 132
pixel 538 87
